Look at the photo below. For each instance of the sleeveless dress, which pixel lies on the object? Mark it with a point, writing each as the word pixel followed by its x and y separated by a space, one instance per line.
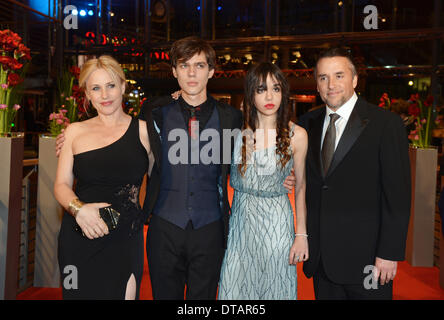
pixel 100 268
pixel 261 231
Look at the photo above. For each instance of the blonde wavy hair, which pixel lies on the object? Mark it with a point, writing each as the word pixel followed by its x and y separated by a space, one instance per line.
pixel 105 62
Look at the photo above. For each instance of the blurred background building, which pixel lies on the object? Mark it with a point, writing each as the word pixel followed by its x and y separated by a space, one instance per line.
pixel 400 52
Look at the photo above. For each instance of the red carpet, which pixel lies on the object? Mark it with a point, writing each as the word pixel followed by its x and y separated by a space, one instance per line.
pixel 411 283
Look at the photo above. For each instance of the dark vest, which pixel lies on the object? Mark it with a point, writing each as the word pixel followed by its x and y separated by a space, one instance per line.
pixel 188 189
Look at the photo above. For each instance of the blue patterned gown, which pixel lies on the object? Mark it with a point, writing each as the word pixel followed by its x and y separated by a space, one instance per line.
pixel 261 233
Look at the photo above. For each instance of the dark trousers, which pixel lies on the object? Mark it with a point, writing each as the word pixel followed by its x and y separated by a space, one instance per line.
pixel 325 289
pixel 191 257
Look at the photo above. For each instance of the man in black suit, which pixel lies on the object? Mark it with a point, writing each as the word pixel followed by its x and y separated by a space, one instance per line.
pixel 188 200
pixel 358 188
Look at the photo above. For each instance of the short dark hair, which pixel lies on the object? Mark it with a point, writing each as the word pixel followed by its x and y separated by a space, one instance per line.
pixel 184 49
pixel 336 52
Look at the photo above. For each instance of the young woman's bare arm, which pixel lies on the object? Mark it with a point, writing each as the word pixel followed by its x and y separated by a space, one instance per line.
pixel 299 143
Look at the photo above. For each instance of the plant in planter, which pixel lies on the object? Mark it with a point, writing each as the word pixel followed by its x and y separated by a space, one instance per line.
pixel 57 122
pixel 425 119
pixel 13 57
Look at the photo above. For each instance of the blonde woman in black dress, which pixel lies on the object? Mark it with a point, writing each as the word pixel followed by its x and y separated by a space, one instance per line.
pixel 108 156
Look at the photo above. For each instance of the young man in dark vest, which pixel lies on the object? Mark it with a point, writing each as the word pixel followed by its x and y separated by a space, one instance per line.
pixel 188 201
pixel 185 240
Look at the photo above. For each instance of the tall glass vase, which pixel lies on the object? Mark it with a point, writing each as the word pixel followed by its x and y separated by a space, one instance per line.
pixel 6 118
pixel 3 117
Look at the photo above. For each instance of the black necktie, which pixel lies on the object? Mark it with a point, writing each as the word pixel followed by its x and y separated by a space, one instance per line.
pixel 193 127
pixel 328 147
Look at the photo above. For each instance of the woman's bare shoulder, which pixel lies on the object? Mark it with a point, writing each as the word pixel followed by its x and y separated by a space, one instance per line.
pixel 76 128
pixel 298 131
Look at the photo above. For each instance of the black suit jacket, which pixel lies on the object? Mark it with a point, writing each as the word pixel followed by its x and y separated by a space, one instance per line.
pixel 360 210
pixel 229 117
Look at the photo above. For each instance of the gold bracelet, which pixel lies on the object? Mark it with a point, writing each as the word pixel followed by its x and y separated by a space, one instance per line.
pixel 74 206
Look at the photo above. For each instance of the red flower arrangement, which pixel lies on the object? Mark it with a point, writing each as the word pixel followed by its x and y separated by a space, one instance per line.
pixel 424 116
pixel 14 79
pixel 9 41
pixel 71 98
pixel 13 55
pixel 75 71
pixel 414 110
pixel 384 101
pixel 421 114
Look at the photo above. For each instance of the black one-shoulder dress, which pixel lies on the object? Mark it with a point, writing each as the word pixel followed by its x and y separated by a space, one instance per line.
pixel 100 268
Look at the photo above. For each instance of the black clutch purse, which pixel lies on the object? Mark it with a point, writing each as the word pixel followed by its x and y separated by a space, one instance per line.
pixel 109 216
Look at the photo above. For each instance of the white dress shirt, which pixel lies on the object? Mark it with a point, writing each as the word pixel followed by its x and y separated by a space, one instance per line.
pixel 344 114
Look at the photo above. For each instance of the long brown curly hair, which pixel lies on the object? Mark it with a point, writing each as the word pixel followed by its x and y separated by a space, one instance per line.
pixel 256 77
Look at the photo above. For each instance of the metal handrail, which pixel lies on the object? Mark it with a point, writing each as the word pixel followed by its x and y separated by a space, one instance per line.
pixel 33 10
